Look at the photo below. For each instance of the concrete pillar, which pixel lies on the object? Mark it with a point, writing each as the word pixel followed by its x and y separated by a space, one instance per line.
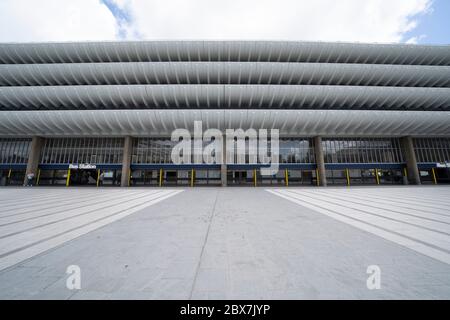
pixel 33 157
pixel 411 161
pixel 126 161
pixel 223 165
pixel 320 161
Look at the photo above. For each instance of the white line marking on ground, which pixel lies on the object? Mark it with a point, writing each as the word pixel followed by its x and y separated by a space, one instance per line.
pixel 429 243
pixel 31 243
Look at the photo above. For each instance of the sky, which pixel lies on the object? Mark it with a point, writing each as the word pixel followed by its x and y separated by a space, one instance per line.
pixel 380 21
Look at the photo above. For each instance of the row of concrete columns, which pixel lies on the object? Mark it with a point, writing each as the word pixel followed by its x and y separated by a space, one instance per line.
pixel 407 145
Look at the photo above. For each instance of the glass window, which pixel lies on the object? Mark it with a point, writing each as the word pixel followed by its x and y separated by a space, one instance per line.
pixel 158 150
pixel 82 150
pixel 13 150
pixel 361 150
pixel 432 149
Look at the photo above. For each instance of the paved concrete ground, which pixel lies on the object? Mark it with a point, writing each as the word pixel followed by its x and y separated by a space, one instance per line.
pixel 241 243
pixel 419 220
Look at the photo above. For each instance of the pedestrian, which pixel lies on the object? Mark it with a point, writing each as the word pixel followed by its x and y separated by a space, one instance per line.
pixel 102 176
pixel 30 177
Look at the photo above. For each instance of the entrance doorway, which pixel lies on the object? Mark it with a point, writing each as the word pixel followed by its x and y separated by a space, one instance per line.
pixel 301 177
pixel 12 177
pixel 240 177
pixel 83 177
pixel 442 175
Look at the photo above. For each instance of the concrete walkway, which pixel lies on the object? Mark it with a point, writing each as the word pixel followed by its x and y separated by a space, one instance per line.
pixel 219 243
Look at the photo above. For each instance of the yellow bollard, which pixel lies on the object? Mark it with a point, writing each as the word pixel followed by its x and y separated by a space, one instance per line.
pixel 317 177
pixel 192 177
pixel 377 177
pixel 405 172
pixel 254 177
pixel 286 177
pixel 38 177
pixel 434 175
pixel 68 178
pixel 160 177
pixel 98 176
pixel 348 177
pixel 129 177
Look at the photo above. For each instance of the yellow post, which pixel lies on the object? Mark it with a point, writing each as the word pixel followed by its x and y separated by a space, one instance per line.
pixel 160 177
pixel 317 177
pixel 405 172
pixel 254 177
pixel 192 177
pixel 38 177
pixel 434 175
pixel 98 176
pixel 129 177
pixel 68 178
pixel 348 177
pixel 286 177
pixel 9 176
pixel 376 176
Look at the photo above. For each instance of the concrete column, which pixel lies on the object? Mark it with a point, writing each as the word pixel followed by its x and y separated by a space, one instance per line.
pixel 223 165
pixel 411 161
pixel 126 161
pixel 33 157
pixel 320 161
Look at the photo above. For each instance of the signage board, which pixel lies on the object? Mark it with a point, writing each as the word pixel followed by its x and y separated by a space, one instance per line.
pixel 82 166
pixel 442 165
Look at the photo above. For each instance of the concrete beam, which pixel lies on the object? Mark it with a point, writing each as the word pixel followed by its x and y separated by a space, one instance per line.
pixel 126 161
pixel 33 158
pixel 320 161
pixel 411 161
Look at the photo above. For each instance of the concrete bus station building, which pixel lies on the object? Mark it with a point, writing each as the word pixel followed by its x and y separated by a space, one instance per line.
pixel 102 113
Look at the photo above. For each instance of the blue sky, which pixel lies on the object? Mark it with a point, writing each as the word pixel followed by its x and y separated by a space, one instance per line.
pixel 434 25
pixel 380 21
pixel 122 16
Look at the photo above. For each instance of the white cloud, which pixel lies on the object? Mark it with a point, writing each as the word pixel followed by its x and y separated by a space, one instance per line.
pixel 415 40
pixel 325 20
pixel 55 20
